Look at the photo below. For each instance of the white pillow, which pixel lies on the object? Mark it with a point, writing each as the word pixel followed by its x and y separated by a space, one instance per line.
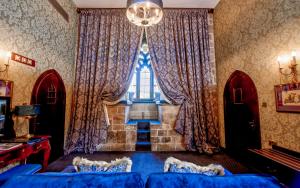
pixel 174 165
pixel 118 165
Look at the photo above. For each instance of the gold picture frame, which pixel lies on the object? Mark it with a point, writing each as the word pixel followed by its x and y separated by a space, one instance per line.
pixel 287 97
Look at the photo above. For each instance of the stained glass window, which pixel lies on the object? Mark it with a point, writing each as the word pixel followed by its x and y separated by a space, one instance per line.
pixel 143 85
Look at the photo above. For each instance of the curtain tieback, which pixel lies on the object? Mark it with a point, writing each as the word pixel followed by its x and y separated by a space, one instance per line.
pixel 106 114
pixel 104 105
pixel 188 103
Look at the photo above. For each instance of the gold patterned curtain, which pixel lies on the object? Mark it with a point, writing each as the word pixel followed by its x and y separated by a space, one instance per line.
pixel 179 50
pixel 108 48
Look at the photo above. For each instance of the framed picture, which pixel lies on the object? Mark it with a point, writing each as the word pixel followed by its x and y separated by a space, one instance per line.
pixel 287 97
pixel 6 88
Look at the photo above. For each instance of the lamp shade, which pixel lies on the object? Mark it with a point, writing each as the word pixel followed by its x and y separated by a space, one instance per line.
pixel 144 12
pixel 157 2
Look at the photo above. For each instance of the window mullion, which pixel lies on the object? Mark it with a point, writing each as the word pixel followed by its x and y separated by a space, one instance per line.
pixel 138 71
pixel 151 83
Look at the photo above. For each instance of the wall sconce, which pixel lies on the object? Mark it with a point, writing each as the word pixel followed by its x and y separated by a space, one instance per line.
pixel 5 56
pixel 292 65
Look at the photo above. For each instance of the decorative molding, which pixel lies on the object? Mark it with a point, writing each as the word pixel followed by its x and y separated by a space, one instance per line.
pixel 45 37
pixel 248 37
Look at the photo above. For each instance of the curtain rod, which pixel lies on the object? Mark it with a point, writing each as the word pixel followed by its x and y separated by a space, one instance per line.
pixel 210 10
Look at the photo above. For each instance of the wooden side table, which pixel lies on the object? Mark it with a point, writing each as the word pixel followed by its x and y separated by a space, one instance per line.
pixel 37 145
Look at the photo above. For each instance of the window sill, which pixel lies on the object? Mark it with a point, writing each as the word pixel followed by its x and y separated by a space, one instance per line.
pixel 144 101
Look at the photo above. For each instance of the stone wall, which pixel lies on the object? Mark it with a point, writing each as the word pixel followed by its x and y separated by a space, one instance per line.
pixel 164 137
pixel 143 111
pixel 121 137
pixel 249 36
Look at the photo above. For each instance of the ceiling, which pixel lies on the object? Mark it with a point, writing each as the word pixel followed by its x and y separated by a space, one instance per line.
pixel 167 3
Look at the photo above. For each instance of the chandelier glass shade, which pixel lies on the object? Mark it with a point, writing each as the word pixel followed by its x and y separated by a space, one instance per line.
pixel 144 12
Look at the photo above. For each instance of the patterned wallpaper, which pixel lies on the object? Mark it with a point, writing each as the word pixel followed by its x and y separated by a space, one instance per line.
pixel 33 28
pixel 249 35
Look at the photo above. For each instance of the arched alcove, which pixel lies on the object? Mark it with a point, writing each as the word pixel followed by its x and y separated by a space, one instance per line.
pixel 241 113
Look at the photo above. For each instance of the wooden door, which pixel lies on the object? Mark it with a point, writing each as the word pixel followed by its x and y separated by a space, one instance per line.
pixel 241 112
pixel 49 92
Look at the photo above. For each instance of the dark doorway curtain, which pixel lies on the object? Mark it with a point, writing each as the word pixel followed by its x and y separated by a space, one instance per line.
pixel 179 50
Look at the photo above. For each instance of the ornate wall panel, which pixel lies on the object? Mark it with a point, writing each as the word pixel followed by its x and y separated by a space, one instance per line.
pixel 33 28
pixel 249 35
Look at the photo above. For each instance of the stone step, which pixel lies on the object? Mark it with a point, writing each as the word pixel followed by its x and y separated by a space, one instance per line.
pixel 136 121
pixel 143 135
pixel 143 125
pixel 143 146
pixel 143 131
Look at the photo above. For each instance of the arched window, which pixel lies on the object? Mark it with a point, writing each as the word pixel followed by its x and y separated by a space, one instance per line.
pixel 51 96
pixel 143 85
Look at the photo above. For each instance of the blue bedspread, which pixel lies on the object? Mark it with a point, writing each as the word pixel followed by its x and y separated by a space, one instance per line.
pixel 76 180
pixel 187 180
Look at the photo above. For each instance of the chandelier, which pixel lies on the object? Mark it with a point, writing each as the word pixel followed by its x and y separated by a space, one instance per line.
pixel 144 12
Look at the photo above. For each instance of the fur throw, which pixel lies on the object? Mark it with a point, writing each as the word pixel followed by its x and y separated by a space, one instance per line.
pixel 118 165
pixel 174 165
